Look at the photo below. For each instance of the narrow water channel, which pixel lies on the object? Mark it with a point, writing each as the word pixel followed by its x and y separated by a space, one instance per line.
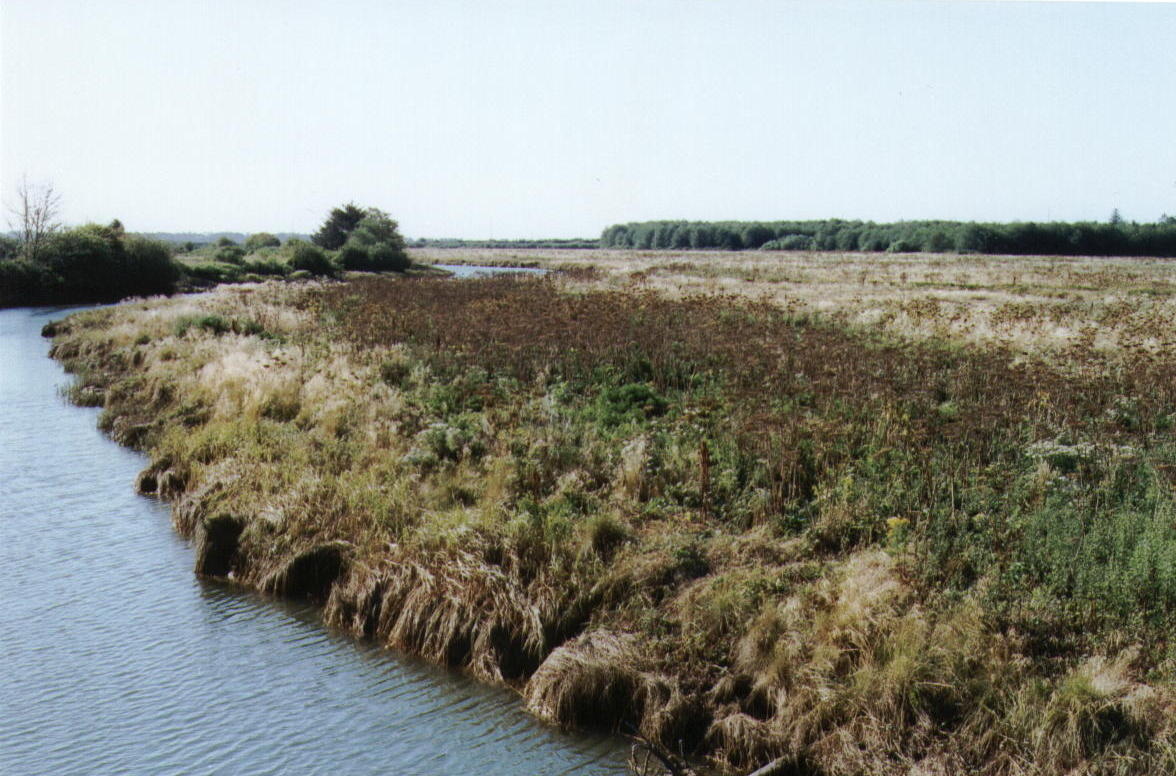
pixel 116 659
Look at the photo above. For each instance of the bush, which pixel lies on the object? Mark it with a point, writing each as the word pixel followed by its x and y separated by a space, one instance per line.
pixel 354 257
pixel 9 247
pixel 215 273
pixel 367 238
pixel 309 258
pixel 628 403
pixel 150 268
pixel 91 263
pixel 23 282
pixel 229 254
pixel 385 257
pixel 224 242
pixel 261 240
pixel 266 266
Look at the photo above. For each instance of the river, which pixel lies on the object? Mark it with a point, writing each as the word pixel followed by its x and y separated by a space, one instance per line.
pixel 116 659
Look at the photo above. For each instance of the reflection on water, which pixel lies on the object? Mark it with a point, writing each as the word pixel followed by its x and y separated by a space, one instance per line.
pixel 118 660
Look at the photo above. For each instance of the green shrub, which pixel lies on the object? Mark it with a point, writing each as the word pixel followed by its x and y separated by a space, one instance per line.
pixel 255 242
pixel 9 247
pixel 23 282
pixel 229 254
pixel 354 257
pixel 309 258
pixel 629 403
pixel 385 257
pixel 267 266
pixel 215 273
pixel 215 324
pixel 150 268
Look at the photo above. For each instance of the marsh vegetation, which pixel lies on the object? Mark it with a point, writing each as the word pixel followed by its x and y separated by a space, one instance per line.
pixel 746 527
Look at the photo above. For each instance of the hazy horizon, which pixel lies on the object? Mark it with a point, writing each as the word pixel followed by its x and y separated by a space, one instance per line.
pixel 510 120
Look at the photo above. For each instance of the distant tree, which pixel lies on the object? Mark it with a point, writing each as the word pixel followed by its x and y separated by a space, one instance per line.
pixel 340 223
pixel 376 226
pixel 35 217
pixel 224 242
pixel 261 240
pixel 366 238
pixel 1116 217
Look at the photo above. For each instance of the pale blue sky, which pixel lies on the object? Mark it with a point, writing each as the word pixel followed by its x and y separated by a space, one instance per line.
pixel 530 119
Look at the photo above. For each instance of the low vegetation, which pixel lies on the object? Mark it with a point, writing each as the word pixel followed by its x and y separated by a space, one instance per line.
pixel 1041 305
pixel 748 530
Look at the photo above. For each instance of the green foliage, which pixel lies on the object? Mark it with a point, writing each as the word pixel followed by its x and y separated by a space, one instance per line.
pixel 26 282
pixel 1118 238
pixel 90 263
pixel 265 266
pixel 353 257
pixel 214 273
pixel 629 403
pixel 229 254
pixel 149 268
pixel 217 325
pixel 340 223
pixel 387 257
pixel 224 242
pixel 260 240
pixel 309 258
pixel 9 248
pixel 367 239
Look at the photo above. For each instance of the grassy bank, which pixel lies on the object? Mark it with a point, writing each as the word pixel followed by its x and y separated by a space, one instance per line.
pixel 747 530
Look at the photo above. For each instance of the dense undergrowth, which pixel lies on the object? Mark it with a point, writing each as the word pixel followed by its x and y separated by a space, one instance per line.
pixel 746 532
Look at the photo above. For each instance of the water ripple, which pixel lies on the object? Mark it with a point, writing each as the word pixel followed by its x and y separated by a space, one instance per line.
pixel 117 660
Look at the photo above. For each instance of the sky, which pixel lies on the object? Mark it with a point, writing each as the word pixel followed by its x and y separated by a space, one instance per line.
pixel 547 118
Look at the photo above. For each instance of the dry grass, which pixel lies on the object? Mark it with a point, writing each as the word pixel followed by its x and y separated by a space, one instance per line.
pixel 747 531
pixel 1030 303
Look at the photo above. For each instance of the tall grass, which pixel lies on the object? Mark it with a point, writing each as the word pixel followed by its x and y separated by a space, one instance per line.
pixel 748 532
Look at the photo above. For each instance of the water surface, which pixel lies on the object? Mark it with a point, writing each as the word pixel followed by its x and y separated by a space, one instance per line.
pixel 117 660
pixel 474 270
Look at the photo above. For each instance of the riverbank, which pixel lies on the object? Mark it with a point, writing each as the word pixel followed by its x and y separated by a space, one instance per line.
pixel 748 531
pixel 114 653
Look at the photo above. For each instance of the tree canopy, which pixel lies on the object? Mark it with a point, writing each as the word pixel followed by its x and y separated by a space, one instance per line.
pixel 367 239
pixel 340 223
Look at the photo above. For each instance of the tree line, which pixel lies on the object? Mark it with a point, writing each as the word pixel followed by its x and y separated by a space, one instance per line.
pixel 1113 238
pixel 44 262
